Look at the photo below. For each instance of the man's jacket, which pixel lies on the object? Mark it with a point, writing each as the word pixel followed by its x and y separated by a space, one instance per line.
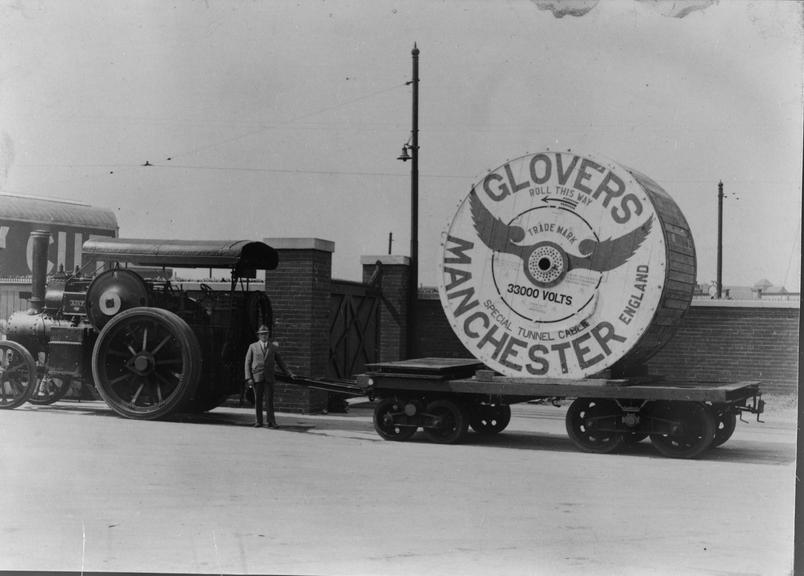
pixel 260 361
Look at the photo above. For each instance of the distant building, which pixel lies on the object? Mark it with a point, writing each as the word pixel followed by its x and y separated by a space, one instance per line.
pixel 761 290
pixel 764 290
pixel 70 224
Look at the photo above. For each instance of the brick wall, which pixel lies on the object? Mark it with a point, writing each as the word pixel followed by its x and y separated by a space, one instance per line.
pixel 299 290
pixel 436 337
pixel 720 342
pixel 735 341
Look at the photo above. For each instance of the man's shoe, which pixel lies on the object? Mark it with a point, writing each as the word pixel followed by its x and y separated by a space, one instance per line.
pixel 257 425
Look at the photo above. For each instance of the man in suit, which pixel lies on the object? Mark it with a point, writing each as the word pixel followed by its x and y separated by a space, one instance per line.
pixel 261 357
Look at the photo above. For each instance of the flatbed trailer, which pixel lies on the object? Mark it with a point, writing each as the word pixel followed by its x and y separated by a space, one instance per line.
pixel 447 396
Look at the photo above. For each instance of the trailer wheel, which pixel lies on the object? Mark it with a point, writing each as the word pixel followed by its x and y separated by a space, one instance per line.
pixel 389 420
pixel 17 374
pixel 687 428
pixel 449 421
pixel 725 423
pixel 592 425
pixel 489 418
pixel 146 363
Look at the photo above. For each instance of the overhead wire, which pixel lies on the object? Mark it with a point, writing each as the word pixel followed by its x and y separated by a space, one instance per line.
pixel 296 171
pixel 296 118
pixel 248 169
pixel 150 164
pixel 241 136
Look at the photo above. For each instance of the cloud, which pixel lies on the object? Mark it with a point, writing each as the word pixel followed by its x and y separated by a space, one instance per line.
pixel 578 8
pixel 561 8
pixel 675 8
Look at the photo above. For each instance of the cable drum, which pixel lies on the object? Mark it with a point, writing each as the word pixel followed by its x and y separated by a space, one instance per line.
pixel 562 265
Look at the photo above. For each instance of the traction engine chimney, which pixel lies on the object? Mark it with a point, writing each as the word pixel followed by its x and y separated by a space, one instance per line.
pixel 41 242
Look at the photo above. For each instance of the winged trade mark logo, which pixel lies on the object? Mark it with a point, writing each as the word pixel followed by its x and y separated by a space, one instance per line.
pixel 545 262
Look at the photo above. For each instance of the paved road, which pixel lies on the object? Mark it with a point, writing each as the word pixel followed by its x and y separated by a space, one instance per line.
pixel 83 489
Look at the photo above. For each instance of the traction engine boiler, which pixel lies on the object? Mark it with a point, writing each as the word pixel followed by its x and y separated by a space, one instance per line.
pixel 150 347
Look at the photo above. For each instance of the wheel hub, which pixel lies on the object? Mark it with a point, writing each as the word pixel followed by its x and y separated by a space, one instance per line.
pixel 631 420
pixel 142 364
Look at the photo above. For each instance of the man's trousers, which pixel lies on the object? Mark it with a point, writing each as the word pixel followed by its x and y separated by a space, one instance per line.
pixel 264 394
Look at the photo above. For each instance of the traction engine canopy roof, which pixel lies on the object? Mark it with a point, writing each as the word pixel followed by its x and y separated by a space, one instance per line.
pixel 239 255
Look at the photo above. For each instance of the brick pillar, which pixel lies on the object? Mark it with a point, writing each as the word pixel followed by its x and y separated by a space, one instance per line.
pixel 394 308
pixel 300 290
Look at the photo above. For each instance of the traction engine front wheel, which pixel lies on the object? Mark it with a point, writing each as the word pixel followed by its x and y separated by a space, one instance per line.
pixel 49 388
pixel 17 374
pixel 146 363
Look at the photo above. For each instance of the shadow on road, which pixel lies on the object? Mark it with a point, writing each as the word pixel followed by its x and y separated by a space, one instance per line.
pixel 737 450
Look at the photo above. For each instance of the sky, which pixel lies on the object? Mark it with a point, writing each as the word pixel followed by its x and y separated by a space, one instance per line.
pixel 285 118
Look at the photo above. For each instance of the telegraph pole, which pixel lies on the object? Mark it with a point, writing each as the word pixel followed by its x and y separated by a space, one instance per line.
pixel 413 288
pixel 410 151
pixel 720 240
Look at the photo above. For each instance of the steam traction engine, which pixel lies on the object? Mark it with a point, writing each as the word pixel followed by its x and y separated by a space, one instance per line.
pixel 151 348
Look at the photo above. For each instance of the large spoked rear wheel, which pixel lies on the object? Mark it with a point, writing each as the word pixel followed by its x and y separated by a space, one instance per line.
pixel 686 429
pixel 17 374
pixel 592 424
pixel 146 363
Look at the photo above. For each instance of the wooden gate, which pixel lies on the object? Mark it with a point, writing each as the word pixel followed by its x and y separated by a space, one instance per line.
pixel 353 328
